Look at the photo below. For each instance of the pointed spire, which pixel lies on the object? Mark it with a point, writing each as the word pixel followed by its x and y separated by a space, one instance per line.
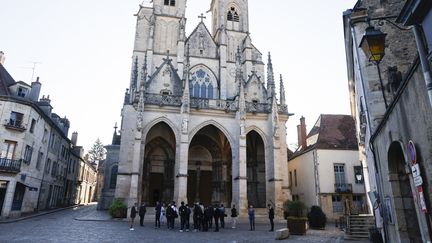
pixel 282 91
pixel 144 74
pixel 270 77
pixel 185 99
pixel 115 138
pixel 134 78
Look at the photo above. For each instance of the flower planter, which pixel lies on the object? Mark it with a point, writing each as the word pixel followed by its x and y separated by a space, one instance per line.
pixel 297 226
pixel 119 213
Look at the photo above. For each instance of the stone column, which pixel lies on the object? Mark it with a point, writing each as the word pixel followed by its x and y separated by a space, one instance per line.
pixel 181 171
pixel 7 204
pixel 135 171
pixel 240 177
pixel 198 176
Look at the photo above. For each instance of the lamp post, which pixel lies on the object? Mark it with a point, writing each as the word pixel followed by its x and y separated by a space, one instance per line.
pixel 373 45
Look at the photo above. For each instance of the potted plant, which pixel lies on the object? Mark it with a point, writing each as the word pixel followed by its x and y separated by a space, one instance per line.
pixel 317 218
pixel 294 212
pixel 118 209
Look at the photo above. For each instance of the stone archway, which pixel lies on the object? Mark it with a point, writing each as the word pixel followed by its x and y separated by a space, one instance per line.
pixel 403 203
pixel 209 167
pixel 256 174
pixel 158 167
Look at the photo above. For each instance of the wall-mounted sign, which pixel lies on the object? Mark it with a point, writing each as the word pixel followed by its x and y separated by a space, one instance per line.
pixel 3 184
pixel 418 180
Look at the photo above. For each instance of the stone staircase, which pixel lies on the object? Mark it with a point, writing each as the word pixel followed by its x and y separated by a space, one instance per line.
pixel 357 227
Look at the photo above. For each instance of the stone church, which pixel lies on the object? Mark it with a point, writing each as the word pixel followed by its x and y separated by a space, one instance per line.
pixel 199 121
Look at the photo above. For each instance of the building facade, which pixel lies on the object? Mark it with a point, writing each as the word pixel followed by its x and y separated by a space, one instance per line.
pixel 326 170
pixel 199 123
pixel 390 99
pixel 35 164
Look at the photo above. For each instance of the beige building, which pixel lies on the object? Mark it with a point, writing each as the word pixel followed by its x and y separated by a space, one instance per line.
pixel 35 168
pixel 325 170
pixel 199 122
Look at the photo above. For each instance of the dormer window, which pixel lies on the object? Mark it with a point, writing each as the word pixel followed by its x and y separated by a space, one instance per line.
pixel 233 15
pixel 22 92
pixel 169 2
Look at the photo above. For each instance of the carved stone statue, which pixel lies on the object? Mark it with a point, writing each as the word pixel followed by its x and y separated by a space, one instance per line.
pixel 185 125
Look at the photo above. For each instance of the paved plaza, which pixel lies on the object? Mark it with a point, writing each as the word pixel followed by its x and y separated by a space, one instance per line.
pixel 85 224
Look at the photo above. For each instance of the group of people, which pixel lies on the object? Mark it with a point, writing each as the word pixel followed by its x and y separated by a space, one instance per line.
pixel 202 216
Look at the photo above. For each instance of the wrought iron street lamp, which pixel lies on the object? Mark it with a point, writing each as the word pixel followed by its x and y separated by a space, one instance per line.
pixel 373 45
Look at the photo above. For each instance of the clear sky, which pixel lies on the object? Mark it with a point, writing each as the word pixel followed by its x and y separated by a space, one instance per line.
pixel 83 48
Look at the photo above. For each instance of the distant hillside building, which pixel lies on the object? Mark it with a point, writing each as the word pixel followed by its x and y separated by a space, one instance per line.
pixel 325 170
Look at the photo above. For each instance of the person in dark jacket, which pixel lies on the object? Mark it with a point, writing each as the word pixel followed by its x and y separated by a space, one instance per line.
pixel 205 221
pixel 222 216
pixel 197 216
pixel 234 216
pixel 142 212
pixel 133 214
pixel 216 215
pixel 188 213
pixel 183 214
pixel 271 213
pixel 169 215
pixel 251 214
pixel 210 216
pixel 158 209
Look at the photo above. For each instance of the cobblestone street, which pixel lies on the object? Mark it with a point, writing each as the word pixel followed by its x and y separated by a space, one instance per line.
pixel 63 226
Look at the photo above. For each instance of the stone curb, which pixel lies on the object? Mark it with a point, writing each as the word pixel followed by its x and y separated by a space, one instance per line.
pixel 7 221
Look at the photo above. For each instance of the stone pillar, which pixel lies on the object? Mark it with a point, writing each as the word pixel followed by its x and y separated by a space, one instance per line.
pixel 181 171
pixel 7 204
pixel 240 178
pixel 135 171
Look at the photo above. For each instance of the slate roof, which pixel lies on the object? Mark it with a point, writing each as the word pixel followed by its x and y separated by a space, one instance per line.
pixel 6 80
pixel 335 132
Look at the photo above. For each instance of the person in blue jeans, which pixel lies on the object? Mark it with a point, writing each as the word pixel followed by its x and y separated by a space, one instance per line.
pixel 251 213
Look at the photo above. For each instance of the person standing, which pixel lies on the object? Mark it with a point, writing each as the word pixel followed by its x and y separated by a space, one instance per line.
pixel 222 216
pixel 197 216
pixel 205 221
pixel 162 215
pixel 142 212
pixel 210 216
pixel 188 213
pixel 183 214
pixel 271 213
pixel 169 215
pixel 251 213
pixel 133 213
pixel 158 212
pixel 216 215
pixel 234 216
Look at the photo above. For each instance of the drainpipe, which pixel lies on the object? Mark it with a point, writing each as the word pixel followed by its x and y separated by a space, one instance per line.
pixel 423 60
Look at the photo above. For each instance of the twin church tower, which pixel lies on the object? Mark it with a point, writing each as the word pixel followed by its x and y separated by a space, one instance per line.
pixel 199 121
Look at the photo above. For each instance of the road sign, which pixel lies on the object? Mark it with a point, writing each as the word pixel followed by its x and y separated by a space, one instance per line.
pixel 415 170
pixel 413 154
pixel 422 199
pixel 418 181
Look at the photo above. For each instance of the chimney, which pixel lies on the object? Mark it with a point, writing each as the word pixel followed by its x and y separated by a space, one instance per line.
pixel 74 139
pixel 301 132
pixel 45 105
pixel 35 90
pixel 2 58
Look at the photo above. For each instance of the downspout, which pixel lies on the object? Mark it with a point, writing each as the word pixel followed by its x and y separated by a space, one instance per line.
pixel 423 60
pixel 316 174
pixel 377 174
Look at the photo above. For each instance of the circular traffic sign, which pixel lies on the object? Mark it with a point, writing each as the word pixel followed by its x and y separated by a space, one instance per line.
pixel 413 155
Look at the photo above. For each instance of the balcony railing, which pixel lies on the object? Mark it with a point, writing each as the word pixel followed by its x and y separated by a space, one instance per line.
pixel 213 104
pixel 10 165
pixel 343 188
pixel 14 125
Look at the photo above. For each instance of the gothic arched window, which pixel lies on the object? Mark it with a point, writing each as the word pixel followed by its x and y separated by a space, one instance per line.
pixel 113 177
pixel 203 91
pixel 204 84
pixel 233 15
pixel 196 90
pixel 210 91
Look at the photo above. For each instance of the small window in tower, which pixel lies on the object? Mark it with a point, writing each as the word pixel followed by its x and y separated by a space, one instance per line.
pixel 233 15
pixel 201 52
pixel 172 2
pixel 166 2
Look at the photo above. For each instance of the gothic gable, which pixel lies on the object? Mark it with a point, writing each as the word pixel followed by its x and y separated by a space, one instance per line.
pixel 255 90
pixel 165 80
pixel 201 43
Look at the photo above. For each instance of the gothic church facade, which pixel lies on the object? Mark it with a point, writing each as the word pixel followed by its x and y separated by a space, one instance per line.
pixel 199 122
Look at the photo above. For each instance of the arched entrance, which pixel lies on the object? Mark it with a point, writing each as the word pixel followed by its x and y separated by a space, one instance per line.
pixel 209 167
pixel 255 157
pixel 404 205
pixel 158 168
